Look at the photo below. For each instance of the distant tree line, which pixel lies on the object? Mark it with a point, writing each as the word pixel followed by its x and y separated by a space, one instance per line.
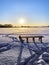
pixel 6 26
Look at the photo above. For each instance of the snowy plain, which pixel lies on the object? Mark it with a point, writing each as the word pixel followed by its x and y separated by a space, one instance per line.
pixel 10 56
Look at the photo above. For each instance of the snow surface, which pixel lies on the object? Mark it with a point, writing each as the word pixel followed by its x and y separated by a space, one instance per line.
pixel 10 56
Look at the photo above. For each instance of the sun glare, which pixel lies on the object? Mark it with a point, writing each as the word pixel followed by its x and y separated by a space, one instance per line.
pixel 21 21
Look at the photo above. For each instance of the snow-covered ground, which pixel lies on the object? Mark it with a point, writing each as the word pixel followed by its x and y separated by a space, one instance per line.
pixel 10 56
pixel 10 47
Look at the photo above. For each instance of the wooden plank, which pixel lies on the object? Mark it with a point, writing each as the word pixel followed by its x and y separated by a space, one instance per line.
pixel 27 39
pixel 40 39
pixel 33 37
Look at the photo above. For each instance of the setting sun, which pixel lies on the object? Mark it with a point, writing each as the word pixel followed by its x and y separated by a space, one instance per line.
pixel 21 21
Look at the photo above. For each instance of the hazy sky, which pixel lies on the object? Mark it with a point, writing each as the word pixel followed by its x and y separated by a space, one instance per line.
pixel 35 12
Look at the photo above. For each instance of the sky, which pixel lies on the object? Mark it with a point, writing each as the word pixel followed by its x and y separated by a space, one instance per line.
pixel 35 12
